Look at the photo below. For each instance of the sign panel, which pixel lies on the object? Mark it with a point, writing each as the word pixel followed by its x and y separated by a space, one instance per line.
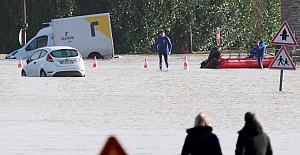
pixel 282 61
pixel 218 36
pixel 284 36
pixel 112 147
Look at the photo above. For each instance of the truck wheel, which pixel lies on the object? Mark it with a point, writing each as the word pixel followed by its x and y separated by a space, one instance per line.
pixel 93 54
pixel 23 73
pixel 43 73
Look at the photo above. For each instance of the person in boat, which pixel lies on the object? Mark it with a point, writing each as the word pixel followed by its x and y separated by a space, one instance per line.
pixel 252 139
pixel 252 52
pixel 215 53
pixel 260 49
pixel 213 57
pixel 200 139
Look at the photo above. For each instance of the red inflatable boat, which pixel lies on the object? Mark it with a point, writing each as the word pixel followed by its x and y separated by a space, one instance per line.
pixel 238 63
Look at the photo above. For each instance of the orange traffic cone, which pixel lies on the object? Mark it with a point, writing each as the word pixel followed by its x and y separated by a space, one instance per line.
pixel 95 62
pixel 20 62
pixel 145 63
pixel 185 64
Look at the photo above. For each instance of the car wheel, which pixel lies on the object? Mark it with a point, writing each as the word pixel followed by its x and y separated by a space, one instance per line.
pixel 23 73
pixel 43 73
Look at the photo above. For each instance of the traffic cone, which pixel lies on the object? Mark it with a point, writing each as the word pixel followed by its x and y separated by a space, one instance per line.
pixel 95 62
pixel 185 64
pixel 20 62
pixel 145 63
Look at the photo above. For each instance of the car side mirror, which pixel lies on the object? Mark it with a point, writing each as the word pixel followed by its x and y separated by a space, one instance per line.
pixel 27 48
pixel 27 61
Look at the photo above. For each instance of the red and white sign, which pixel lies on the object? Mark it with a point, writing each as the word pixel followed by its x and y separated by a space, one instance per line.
pixel 284 36
pixel 112 147
pixel 282 61
pixel 218 36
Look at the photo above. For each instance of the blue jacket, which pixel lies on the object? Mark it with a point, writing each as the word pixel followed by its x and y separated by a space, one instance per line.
pixel 163 44
pixel 261 48
pixel 252 52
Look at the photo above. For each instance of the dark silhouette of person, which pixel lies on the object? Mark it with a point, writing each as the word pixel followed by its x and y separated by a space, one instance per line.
pixel 215 53
pixel 252 140
pixel 213 57
pixel 280 60
pixel 286 62
pixel 200 139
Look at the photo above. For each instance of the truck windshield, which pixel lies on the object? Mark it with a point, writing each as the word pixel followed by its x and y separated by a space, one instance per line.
pixel 64 53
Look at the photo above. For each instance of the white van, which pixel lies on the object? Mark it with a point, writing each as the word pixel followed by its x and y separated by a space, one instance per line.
pixel 90 34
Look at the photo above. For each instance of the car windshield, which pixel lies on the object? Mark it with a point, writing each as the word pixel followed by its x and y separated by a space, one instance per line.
pixel 64 53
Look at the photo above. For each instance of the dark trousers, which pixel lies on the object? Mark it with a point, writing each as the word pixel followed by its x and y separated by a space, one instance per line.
pixel 165 54
pixel 260 59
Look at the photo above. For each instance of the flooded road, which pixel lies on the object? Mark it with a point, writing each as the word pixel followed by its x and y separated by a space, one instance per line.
pixel 147 110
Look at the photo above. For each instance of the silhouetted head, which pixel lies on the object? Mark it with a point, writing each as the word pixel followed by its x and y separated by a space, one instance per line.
pixel 202 120
pixel 250 117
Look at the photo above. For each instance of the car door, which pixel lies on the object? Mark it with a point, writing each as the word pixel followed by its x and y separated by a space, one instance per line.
pixel 40 62
pixel 35 44
pixel 32 65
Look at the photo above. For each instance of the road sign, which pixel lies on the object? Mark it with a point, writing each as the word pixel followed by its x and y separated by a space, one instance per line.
pixel 282 61
pixel 112 147
pixel 284 36
pixel 218 37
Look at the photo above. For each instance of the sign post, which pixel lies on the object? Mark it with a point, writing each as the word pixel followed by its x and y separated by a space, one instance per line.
pixel 281 78
pixel 282 60
pixel 218 36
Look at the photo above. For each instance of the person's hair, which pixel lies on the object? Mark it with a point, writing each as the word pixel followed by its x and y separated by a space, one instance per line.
pixel 161 31
pixel 250 116
pixel 202 120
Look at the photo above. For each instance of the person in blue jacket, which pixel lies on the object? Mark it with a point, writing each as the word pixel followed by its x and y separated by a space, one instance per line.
pixel 252 52
pixel 260 50
pixel 163 47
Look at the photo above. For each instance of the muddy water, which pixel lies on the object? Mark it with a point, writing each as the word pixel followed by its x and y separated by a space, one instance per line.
pixel 147 110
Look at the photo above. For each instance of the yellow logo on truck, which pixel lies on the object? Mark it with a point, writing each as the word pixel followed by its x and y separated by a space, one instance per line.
pixel 99 23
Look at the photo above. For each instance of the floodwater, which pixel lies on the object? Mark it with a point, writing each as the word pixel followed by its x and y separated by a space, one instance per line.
pixel 147 110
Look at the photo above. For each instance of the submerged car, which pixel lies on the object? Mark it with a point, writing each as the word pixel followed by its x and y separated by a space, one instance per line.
pixel 62 61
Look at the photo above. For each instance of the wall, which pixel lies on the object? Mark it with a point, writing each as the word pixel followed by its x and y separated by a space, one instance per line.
pixel 290 12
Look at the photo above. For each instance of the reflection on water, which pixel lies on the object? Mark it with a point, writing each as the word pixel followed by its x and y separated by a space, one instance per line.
pixel 146 109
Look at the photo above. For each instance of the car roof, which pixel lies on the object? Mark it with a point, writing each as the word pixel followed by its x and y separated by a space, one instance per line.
pixel 52 48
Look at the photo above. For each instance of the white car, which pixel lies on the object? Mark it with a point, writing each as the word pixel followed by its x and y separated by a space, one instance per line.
pixel 54 61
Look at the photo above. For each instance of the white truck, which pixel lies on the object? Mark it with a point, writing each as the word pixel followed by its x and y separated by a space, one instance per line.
pixel 90 35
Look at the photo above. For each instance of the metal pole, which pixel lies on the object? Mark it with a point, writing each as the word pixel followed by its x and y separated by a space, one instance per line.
pixel 191 40
pixel 294 51
pixel 24 23
pixel 281 77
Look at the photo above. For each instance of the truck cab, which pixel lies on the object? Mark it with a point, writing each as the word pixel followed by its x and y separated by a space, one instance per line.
pixel 90 34
pixel 43 38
